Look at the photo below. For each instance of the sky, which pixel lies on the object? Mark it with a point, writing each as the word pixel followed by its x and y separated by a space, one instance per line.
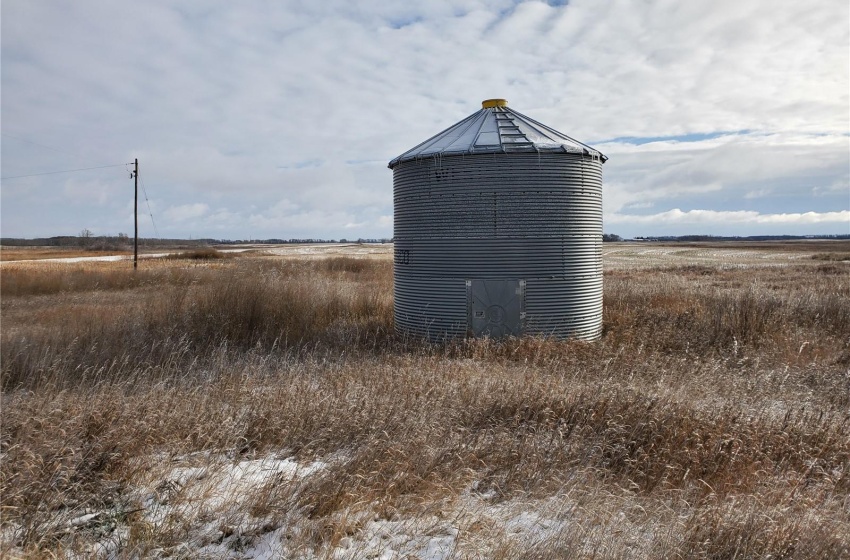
pixel 262 119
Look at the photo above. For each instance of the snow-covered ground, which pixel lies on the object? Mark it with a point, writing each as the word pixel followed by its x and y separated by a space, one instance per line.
pixel 108 258
pixel 100 258
pixel 214 508
pixel 642 256
pixel 294 250
pixel 330 249
pixel 615 256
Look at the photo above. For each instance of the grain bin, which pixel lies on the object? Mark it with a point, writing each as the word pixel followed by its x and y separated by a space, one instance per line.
pixel 498 231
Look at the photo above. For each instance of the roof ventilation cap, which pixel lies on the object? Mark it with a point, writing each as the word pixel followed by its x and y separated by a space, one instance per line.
pixel 488 103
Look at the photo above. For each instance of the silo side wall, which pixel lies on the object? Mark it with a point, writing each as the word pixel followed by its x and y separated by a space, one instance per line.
pixel 431 307
pixel 535 217
pixel 564 308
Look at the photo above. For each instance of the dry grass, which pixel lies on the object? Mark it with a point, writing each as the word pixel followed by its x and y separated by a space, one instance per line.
pixel 202 254
pixel 832 256
pixel 710 421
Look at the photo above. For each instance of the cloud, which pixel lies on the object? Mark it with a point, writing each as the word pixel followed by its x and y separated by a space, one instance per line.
pixel 237 107
pixel 840 185
pixel 91 192
pixel 677 216
pixel 186 212
pixel 301 223
pixel 639 205
pixel 779 170
pixel 760 193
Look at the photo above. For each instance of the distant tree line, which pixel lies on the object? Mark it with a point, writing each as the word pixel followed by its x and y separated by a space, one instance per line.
pixel 86 239
pixel 297 240
pixel 715 238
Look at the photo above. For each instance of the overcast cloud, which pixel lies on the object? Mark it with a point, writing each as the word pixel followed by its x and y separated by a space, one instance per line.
pixel 277 119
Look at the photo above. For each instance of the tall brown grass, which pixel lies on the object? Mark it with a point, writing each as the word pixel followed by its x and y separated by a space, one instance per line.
pixel 201 254
pixel 711 419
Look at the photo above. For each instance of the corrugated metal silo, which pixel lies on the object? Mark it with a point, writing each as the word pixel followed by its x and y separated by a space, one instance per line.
pixel 498 231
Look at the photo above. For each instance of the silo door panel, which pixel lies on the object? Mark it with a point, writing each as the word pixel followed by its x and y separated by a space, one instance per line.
pixel 496 307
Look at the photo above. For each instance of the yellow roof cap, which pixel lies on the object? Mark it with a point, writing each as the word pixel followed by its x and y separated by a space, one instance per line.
pixel 488 103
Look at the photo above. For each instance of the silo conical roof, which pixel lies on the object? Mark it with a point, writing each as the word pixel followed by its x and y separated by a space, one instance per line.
pixel 496 128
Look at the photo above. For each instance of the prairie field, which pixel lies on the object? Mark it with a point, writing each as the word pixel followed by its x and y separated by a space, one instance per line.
pixel 258 404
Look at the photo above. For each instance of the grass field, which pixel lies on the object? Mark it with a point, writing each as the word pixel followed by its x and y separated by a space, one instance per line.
pixel 261 406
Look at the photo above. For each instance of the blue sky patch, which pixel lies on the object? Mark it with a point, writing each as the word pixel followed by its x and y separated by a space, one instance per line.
pixel 307 163
pixel 693 137
pixel 401 23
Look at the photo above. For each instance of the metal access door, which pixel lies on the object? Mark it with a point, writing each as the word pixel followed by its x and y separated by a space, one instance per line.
pixel 496 308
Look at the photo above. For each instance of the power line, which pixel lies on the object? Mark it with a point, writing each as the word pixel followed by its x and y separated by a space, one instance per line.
pixel 63 171
pixel 7 135
pixel 147 202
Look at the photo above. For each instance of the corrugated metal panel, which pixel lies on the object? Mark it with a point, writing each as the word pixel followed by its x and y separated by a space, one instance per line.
pixel 525 195
pixel 554 257
pixel 513 216
pixel 564 308
pixel 431 307
pixel 437 307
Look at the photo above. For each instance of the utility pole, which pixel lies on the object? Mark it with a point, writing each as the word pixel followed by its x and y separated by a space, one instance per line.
pixel 136 218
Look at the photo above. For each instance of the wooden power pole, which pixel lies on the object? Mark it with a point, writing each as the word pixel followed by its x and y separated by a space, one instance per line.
pixel 136 218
